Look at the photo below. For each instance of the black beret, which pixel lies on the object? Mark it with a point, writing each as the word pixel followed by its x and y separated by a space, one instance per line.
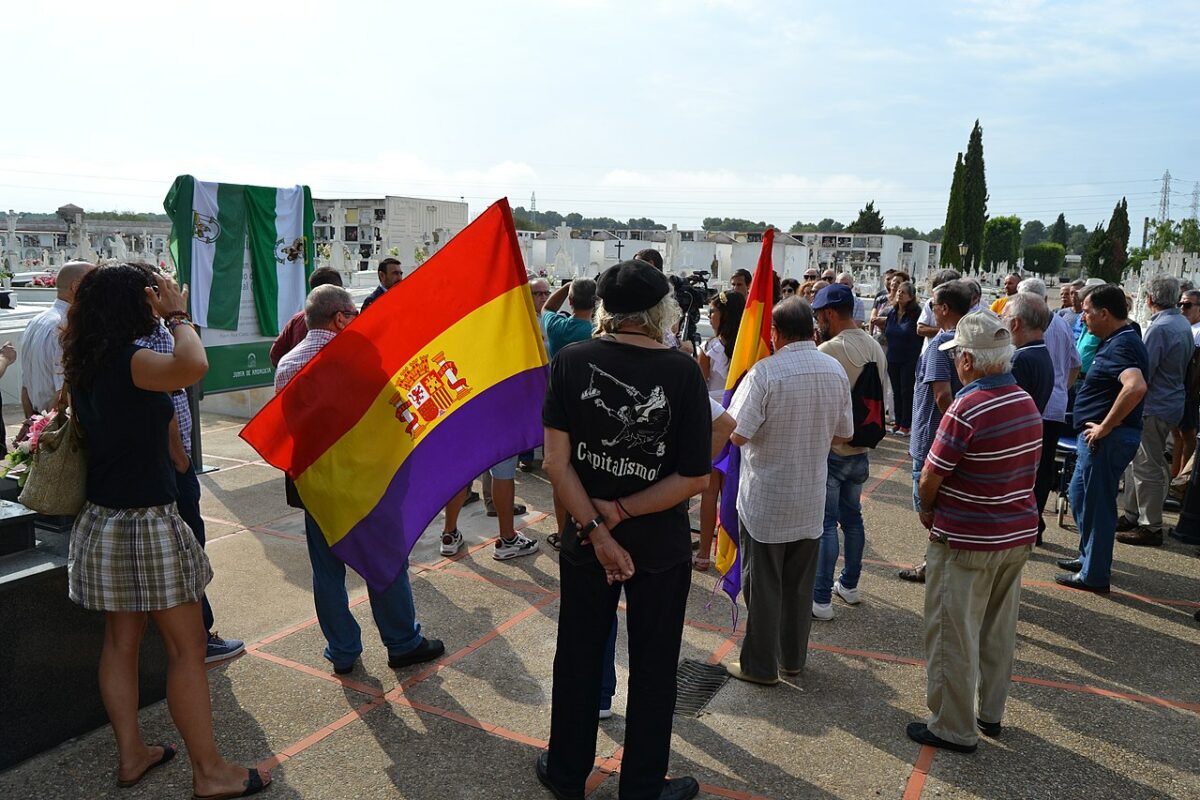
pixel 631 286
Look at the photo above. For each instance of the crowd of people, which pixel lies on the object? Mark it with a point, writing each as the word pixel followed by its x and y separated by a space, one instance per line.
pixel 987 398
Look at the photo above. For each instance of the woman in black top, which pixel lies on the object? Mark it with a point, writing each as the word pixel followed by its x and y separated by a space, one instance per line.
pixel 903 350
pixel 131 554
pixel 627 443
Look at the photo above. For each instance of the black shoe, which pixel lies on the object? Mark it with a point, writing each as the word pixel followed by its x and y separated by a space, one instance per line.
pixel 427 650
pixel 472 497
pixel 1073 581
pixel 919 733
pixel 991 729
pixel 1183 537
pixel 1125 524
pixel 684 788
pixel 1171 504
pixel 518 509
pixel 1070 564
pixel 914 574
pixel 542 768
pixel 346 670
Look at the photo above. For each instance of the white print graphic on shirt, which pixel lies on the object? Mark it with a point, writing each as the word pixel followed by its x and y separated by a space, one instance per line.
pixel 644 418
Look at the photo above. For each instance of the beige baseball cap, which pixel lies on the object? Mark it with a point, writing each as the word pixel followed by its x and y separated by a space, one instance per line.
pixel 981 330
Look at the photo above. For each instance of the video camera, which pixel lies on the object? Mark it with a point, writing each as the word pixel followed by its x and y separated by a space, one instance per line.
pixel 692 294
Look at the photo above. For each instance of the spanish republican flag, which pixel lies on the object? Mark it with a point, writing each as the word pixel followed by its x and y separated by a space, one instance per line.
pixel 753 343
pixel 438 380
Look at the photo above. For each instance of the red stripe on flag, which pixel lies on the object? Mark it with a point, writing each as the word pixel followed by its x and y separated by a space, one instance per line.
pixel 338 386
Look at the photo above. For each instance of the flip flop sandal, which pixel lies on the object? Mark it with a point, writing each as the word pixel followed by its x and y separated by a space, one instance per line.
pixel 168 754
pixel 254 785
pixel 555 541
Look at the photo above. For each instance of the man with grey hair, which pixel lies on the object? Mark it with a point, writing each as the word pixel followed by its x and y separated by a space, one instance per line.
pixel 1169 345
pixel 1064 357
pixel 41 367
pixel 1027 317
pixel 790 409
pixel 927 325
pixel 327 312
pixel 974 560
pixel 1072 302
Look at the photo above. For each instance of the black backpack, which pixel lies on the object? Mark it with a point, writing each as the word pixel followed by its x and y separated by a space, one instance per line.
pixel 866 400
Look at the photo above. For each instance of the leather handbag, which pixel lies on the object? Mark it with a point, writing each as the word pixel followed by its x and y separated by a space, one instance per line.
pixel 57 482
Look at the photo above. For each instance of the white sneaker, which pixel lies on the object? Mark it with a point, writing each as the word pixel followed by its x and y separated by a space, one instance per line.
pixel 515 548
pixel 606 713
pixel 451 543
pixel 823 611
pixel 849 595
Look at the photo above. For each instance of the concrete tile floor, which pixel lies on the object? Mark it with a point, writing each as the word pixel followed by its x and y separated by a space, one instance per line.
pixel 1105 702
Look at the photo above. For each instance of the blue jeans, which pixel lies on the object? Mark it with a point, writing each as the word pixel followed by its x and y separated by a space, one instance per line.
pixel 843 490
pixel 918 465
pixel 1093 494
pixel 608 681
pixel 395 616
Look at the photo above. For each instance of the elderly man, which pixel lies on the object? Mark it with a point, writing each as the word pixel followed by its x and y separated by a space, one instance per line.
pixel 859 312
pixel 1169 348
pixel 927 324
pixel 790 409
pixel 41 367
pixel 1027 318
pixel 848 465
pixel 1072 303
pixel 936 385
pixel 1060 345
pixel 1108 417
pixel 390 274
pixel 1011 281
pixel 294 331
pixel 975 558
pixel 1185 434
pixel 563 328
pixel 327 312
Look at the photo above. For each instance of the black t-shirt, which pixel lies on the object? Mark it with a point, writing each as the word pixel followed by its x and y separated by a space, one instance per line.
pixel 125 429
pixel 1033 371
pixel 635 415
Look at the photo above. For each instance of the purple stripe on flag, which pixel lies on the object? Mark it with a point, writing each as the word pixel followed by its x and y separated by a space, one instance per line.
pixel 731 581
pixel 497 424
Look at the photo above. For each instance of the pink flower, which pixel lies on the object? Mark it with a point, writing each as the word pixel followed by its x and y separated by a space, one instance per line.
pixel 37 425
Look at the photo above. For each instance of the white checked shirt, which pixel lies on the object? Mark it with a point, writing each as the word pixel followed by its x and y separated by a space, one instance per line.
pixel 41 356
pixel 300 355
pixel 790 406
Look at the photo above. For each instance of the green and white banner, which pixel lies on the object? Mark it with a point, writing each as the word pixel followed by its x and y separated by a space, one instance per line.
pixel 219 228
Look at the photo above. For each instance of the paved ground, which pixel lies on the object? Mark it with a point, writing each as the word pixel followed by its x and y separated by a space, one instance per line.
pixel 1105 701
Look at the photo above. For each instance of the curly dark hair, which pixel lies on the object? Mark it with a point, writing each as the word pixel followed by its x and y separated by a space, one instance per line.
pixel 731 305
pixel 110 311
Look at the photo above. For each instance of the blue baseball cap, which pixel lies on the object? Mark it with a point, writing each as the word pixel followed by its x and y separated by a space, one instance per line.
pixel 835 295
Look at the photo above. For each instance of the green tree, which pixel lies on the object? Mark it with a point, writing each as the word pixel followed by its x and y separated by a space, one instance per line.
pixel 574 219
pixel 521 223
pixel 1163 236
pixel 1077 239
pixel 1045 258
pixel 953 230
pixel 1097 243
pixel 1058 231
pixel 1137 257
pixel 869 221
pixel 732 224
pixel 1034 232
pixel 1189 236
pixel 1002 241
pixel 934 235
pixel 974 197
pixel 828 225
pixel 803 227
pixel 906 232
pixel 1116 252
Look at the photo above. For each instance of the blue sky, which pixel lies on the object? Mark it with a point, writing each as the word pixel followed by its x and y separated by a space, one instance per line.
pixel 662 108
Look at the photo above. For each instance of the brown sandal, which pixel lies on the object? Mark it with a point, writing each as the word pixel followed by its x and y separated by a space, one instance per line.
pixel 254 785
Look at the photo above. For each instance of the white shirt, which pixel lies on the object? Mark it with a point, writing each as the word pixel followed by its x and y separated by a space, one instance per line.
pixel 718 368
pixel 1196 333
pixel 790 406
pixel 41 356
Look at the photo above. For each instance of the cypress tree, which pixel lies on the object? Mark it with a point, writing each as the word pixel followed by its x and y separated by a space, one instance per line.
pixel 1058 232
pixel 1116 251
pixel 974 198
pixel 1097 245
pixel 869 221
pixel 952 233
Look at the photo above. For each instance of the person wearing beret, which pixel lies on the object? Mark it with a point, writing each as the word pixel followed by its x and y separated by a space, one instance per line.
pixel 628 429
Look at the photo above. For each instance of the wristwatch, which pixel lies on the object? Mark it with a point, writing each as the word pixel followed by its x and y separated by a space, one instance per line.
pixel 586 530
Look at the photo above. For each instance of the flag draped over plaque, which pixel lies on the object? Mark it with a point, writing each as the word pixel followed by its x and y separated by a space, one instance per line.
pixel 753 343
pixel 441 378
pixel 213 225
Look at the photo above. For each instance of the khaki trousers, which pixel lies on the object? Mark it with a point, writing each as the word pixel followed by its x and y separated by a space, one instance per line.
pixel 1147 478
pixel 777 582
pixel 971 602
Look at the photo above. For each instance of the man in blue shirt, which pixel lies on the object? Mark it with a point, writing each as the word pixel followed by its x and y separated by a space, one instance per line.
pixel 937 383
pixel 1169 348
pixel 1108 416
pixel 562 328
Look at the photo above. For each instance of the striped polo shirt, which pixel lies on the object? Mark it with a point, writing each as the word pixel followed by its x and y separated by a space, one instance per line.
pixel 987 449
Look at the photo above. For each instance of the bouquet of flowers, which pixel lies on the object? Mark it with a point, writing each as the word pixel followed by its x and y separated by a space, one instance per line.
pixel 45 281
pixel 16 464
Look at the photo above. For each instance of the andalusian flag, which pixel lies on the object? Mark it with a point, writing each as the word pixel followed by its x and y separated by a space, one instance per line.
pixel 753 343
pixel 441 378
pixel 215 225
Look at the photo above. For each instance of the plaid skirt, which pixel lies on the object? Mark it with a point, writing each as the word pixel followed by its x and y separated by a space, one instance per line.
pixel 134 559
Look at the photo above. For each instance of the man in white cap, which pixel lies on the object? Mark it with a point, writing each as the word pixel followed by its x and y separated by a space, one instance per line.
pixel 982 521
